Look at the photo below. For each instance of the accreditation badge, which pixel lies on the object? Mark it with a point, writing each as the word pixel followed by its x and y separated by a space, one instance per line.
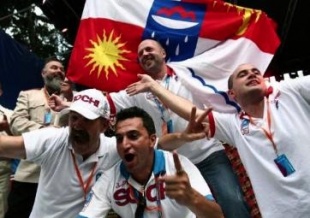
pixel 284 165
pixel 170 126
pixel 245 126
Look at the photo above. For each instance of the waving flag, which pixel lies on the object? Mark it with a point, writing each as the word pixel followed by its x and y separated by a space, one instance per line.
pixel 205 41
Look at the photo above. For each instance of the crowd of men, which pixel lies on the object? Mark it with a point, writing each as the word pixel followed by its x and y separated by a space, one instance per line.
pixel 166 156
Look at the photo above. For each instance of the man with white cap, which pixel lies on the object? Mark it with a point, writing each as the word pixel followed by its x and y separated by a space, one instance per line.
pixel 71 158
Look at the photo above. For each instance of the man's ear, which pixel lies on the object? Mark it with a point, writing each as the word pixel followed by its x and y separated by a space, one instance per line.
pixel 164 53
pixel 231 94
pixel 154 140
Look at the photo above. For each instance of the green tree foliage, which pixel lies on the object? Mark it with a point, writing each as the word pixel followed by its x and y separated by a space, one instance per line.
pixel 24 21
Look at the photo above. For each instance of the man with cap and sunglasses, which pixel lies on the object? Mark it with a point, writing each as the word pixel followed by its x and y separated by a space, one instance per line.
pixel 71 158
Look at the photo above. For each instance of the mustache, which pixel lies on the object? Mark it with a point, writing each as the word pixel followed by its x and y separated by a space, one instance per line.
pixel 56 77
pixel 79 136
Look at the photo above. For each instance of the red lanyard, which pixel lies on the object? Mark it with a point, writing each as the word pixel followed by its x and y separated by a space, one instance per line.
pixel 78 173
pixel 268 132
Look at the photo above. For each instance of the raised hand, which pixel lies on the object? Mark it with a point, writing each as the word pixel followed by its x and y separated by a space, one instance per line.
pixel 202 123
pixel 141 86
pixel 178 186
pixel 196 127
pixel 56 103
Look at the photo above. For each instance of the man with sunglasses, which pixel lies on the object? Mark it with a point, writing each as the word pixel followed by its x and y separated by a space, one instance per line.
pixel 148 182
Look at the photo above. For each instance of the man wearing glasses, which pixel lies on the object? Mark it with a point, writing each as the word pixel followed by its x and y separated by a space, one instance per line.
pixel 148 182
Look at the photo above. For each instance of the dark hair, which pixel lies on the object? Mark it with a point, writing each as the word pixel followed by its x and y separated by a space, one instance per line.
pixel 133 112
pixel 49 59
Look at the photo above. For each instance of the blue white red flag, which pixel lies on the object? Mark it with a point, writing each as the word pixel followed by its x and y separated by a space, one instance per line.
pixel 205 41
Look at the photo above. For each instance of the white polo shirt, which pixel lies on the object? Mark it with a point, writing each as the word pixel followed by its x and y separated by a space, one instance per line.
pixel 277 196
pixel 197 150
pixel 59 191
pixel 116 189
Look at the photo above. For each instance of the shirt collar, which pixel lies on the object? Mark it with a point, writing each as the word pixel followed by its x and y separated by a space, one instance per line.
pixel 170 71
pixel 159 166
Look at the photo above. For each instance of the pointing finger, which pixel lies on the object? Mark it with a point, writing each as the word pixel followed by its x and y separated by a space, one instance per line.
pixel 193 113
pixel 192 119
pixel 177 163
pixel 203 116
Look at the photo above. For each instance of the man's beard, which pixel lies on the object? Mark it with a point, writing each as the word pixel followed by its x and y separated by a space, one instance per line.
pixel 79 136
pixel 53 82
pixel 154 67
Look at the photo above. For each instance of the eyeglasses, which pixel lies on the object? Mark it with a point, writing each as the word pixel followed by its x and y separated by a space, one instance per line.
pixel 141 206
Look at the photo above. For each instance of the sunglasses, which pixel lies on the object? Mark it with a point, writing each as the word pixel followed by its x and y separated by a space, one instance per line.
pixel 141 206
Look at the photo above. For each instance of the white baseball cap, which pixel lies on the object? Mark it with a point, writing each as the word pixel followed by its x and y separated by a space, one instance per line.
pixel 91 104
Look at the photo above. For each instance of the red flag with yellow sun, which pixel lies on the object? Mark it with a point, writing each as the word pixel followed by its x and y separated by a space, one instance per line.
pixel 210 38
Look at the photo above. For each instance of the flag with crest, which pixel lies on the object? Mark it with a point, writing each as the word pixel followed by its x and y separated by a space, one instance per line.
pixel 205 41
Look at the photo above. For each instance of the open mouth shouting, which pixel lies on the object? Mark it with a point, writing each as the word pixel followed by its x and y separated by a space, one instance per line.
pixel 129 157
pixel 79 136
pixel 130 161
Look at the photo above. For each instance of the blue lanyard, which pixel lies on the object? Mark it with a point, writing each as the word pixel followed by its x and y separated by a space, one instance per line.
pixel 163 110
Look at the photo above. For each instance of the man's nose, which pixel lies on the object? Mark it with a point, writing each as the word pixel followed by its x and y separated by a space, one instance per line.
pixel 252 74
pixel 61 73
pixel 60 70
pixel 126 142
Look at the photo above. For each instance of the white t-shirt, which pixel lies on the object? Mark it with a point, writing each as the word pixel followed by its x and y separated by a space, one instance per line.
pixel 116 189
pixel 277 196
pixel 197 150
pixel 59 191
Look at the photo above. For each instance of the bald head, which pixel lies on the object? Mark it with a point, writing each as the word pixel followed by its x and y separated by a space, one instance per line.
pixel 152 58
pixel 240 68
pixel 246 85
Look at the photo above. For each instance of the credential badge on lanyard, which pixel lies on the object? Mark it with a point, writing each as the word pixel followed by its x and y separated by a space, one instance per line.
pixel 245 126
